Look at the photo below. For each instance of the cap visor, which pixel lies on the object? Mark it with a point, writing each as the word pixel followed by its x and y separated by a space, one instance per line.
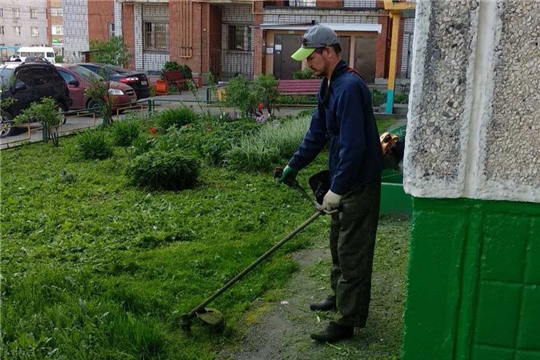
pixel 302 53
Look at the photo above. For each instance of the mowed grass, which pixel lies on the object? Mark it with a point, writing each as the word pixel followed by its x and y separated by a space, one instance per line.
pixel 93 268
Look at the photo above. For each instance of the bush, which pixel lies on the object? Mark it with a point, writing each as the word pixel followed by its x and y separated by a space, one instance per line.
pixel 124 132
pixel 240 95
pixel 260 151
pixel 45 112
pixel 378 97
pixel 266 91
pixel 93 145
pixel 160 170
pixel 176 117
pixel 173 65
pixel 214 145
pixel 304 74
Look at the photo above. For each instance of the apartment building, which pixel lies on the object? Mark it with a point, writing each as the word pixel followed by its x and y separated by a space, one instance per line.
pixel 56 25
pixel 22 23
pixel 229 37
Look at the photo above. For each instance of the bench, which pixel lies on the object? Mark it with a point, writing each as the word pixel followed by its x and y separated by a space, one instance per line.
pixel 299 86
pixel 175 78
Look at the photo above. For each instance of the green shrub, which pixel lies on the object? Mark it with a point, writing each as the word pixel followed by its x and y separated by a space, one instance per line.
pixel 160 170
pixel 401 99
pixel 140 145
pixel 240 95
pixel 378 97
pixel 252 155
pixel 304 74
pixel 124 132
pixel 93 145
pixel 216 139
pixel 45 112
pixel 173 65
pixel 99 92
pixel 262 150
pixel 176 117
pixel 266 91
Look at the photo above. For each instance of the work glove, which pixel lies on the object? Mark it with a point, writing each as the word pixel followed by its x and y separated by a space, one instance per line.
pixel 331 201
pixel 288 176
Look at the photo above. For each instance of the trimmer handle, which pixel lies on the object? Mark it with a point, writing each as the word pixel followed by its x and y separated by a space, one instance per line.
pixel 288 180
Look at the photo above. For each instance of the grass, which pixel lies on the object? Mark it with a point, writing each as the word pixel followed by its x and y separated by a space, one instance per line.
pixel 93 268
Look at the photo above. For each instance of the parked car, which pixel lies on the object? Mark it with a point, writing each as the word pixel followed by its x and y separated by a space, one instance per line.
pixel 137 80
pixel 79 79
pixel 27 83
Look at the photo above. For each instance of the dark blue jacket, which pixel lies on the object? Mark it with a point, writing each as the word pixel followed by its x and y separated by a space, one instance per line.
pixel 344 116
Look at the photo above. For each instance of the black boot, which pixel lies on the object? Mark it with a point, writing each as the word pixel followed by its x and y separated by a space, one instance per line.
pixel 327 305
pixel 334 332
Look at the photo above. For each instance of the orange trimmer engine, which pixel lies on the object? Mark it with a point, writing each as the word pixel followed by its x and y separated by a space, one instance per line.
pixel 393 148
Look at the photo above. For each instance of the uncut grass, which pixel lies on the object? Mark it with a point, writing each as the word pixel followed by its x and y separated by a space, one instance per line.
pixel 95 269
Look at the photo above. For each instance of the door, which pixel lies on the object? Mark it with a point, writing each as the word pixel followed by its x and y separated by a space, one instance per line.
pixel 284 47
pixel 76 90
pixel 23 91
pixel 364 57
pixel 345 42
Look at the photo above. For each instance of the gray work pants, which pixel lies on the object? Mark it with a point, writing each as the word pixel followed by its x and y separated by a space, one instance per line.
pixel 352 243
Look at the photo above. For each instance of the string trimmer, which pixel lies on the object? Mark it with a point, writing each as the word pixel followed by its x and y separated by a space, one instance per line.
pixel 214 317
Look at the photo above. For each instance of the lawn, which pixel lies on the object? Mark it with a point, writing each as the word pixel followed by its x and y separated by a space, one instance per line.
pixel 96 268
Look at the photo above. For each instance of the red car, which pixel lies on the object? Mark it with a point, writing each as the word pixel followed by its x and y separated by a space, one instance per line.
pixel 78 79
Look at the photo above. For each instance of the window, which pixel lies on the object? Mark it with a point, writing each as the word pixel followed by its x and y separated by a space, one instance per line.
pixel 57 30
pixel 57 12
pixel 239 37
pixel 33 13
pixel 16 13
pixel 34 31
pixel 2 31
pixel 67 77
pixel 110 28
pixel 156 36
pixel 16 30
pixel 1 12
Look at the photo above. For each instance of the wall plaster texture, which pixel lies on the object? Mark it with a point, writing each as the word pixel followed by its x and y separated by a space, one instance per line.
pixel 474 113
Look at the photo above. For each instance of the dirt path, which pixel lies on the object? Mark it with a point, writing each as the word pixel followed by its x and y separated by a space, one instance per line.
pixel 280 329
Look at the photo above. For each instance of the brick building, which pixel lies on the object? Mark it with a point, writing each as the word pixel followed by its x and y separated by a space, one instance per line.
pixel 229 37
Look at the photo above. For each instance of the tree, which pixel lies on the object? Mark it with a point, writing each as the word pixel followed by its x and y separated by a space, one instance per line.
pixel 114 51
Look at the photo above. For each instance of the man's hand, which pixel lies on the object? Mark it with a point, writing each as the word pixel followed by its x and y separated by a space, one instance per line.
pixel 288 175
pixel 331 201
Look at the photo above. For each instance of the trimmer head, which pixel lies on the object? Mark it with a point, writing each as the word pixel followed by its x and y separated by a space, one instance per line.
pixel 208 316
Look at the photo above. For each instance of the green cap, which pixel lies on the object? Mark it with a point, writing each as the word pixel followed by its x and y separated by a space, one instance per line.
pixel 318 36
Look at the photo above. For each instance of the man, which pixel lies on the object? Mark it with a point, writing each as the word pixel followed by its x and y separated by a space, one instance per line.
pixel 344 117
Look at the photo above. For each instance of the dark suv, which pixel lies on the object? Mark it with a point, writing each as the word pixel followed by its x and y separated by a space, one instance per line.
pixel 26 83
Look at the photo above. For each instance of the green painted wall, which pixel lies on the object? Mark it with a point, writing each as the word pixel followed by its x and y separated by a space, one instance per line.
pixel 473 289
pixel 394 200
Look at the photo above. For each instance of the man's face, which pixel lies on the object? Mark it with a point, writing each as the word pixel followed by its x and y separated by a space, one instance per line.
pixel 318 62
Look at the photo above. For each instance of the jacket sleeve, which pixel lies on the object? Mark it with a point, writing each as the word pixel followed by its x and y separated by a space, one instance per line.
pixel 313 142
pixel 352 138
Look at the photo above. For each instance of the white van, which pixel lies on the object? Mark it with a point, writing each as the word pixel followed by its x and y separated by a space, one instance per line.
pixel 36 51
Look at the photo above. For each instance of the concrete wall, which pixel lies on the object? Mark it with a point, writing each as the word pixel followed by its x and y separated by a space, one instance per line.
pixel 473 120
pixel 472 163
